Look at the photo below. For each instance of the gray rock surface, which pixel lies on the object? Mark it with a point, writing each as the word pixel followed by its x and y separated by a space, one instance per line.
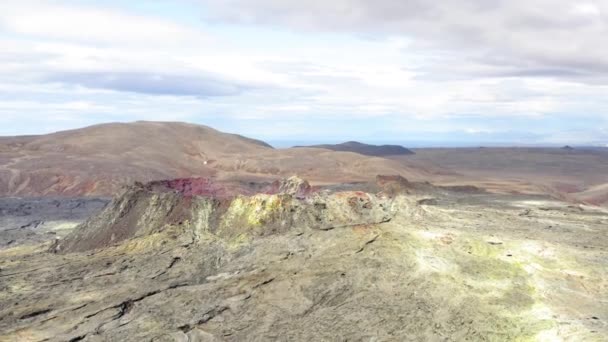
pixel 448 266
pixel 30 220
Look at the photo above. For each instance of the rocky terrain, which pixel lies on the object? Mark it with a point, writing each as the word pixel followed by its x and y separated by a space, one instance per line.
pixel 209 238
pixel 202 260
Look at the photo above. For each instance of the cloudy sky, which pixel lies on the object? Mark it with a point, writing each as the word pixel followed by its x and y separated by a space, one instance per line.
pixel 458 72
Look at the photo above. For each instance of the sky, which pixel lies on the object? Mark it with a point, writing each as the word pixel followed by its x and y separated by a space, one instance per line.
pixel 436 73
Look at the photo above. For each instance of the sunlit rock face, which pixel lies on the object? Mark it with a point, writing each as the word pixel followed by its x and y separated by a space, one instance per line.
pixel 294 186
pixel 200 206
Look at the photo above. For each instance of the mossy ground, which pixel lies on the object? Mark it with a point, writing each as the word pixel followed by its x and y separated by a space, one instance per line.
pixel 508 286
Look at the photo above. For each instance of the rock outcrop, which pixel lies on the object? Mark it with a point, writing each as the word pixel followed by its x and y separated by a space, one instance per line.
pixel 294 186
pixel 393 184
pixel 201 207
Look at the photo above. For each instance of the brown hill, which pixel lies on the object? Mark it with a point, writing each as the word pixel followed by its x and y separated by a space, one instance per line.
pixel 98 160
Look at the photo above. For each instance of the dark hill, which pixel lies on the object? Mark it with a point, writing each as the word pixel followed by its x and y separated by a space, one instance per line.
pixel 366 149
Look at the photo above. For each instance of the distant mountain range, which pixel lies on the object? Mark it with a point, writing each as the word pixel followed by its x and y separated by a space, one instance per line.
pixel 366 149
pixel 99 160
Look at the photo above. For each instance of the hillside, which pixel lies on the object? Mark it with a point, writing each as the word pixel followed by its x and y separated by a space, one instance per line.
pixel 597 195
pixel 98 160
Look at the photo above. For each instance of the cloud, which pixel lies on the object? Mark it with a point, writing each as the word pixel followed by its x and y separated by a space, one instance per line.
pixel 92 26
pixel 339 69
pixel 151 83
pixel 533 38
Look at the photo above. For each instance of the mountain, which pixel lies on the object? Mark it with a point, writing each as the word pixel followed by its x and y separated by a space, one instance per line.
pixel 98 160
pixel 366 149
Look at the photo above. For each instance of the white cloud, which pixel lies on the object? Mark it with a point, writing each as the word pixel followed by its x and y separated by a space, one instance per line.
pixel 527 37
pixel 358 64
pixel 92 26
